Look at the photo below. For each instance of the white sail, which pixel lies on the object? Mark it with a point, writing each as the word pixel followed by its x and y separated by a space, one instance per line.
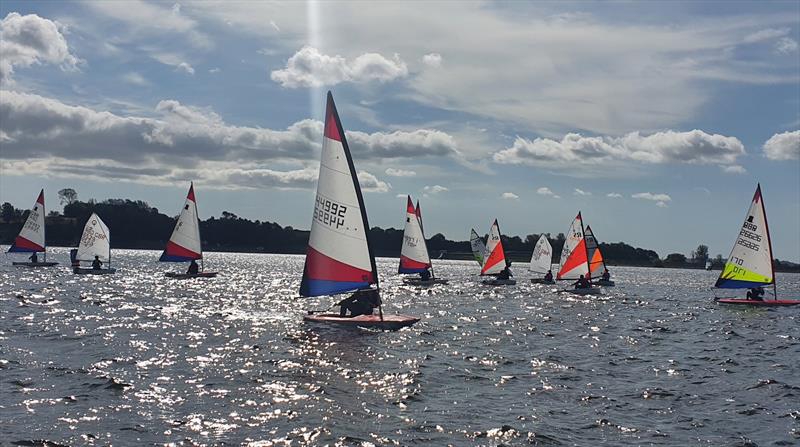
pixel 31 237
pixel 414 256
pixel 478 247
pixel 542 257
pixel 750 262
pixel 574 261
pixel 95 241
pixel 495 255
pixel 184 243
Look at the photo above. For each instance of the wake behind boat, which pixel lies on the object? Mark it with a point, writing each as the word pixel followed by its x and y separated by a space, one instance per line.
pixel 94 247
pixel 339 257
pixel 31 238
pixel 184 244
pixel 750 264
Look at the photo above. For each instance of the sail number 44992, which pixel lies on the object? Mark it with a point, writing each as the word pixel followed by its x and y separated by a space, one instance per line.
pixel 329 213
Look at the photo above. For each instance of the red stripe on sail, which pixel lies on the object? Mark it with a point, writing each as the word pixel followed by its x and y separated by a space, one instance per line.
pixel 757 195
pixel 190 196
pixel 331 129
pixel 408 263
pixel 21 242
pixel 576 258
pixel 418 211
pixel 322 267
pixel 497 256
pixel 597 261
pixel 41 197
pixel 174 249
pixel 410 206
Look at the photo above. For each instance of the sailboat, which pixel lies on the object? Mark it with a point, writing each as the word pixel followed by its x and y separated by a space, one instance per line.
pixel 339 257
pixel 542 259
pixel 184 244
pixel 597 264
pixel 495 261
pixel 575 258
pixel 478 247
pixel 95 241
pixel 31 236
pixel 750 264
pixel 414 256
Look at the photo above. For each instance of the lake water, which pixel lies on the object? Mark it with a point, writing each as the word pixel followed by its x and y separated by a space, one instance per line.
pixel 138 359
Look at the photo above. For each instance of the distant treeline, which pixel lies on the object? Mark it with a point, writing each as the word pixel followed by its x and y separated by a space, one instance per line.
pixel 135 224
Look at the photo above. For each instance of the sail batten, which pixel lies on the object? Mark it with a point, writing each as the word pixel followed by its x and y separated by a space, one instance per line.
pixel 542 257
pixel 750 262
pixel 574 259
pixel 495 255
pixel 184 244
pixel 339 258
pixel 31 237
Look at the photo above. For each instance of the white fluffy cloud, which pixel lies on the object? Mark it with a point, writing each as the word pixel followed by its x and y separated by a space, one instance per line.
pixel 371 183
pixel 660 199
pixel 614 195
pixel 435 189
pixel 576 152
pixel 185 67
pixel 400 172
pixel 432 59
pixel 310 68
pixel 509 196
pixel 783 146
pixel 580 192
pixel 545 191
pixel 734 169
pixel 30 39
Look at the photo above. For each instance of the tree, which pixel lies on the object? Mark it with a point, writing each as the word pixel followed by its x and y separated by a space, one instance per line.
pixel 675 259
pixel 67 196
pixel 9 213
pixel 700 254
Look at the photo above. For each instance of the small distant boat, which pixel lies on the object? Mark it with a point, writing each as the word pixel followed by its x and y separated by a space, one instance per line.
pixel 478 247
pixel 596 261
pixel 708 265
pixel 541 260
pixel 31 237
pixel 339 257
pixel 750 264
pixel 184 244
pixel 414 256
pixel 575 258
pixel 95 241
pixel 495 261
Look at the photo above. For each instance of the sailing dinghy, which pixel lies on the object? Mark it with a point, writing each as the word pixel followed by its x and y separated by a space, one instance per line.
pixel 478 247
pixel 541 259
pixel 596 261
pixel 31 236
pixel 339 257
pixel 750 264
pixel 575 259
pixel 184 244
pixel 495 261
pixel 414 256
pixel 95 241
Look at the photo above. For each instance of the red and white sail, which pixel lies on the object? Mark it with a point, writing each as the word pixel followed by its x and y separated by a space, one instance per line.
pixel 31 237
pixel 542 257
pixel 95 241
pixel 574 260
pixel 593 253
pixel 496 258
pixel 414 256
pixel 184 244
pixel 338 257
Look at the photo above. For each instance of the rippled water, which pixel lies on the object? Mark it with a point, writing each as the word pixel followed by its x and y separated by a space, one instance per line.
pixel 137 359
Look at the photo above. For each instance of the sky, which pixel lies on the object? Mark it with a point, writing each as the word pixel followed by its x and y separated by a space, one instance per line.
pixel 656 120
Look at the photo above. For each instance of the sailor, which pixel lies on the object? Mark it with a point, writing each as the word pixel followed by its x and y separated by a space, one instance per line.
pixel 425 275
pixel 362 302
pixel 96 264
pixel 582 283
pixel 34 258
pixel 606 275
pixel 548 276
pixel 193 268
pixel 756 294
pixel 506 272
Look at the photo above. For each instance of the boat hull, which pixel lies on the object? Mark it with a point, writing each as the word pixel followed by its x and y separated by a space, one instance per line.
pixel 605 283
pixel 419 282
pixel 541 281
pixel 83 271
pixel 765 303
pixel 389 322
pixel 34 264
pixel 499 282
pixel 190 276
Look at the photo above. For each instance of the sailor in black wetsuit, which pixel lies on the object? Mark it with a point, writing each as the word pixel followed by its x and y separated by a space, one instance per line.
pixel 606 275
pixel 362 302
pixel 96 264
pixel 506 272
pixel 756 294
pixel 193 268
pixel 34 258
pixel 582 283
pixel 425 275
pixel 548 276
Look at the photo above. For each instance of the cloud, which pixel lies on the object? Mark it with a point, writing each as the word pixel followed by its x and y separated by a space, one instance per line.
pixel 173 60
pixel 435 189
pixel 545 191
pixel 215 70
pixel 734 169
pixel 135 79
pixel 370 183
pixel 509 196
pixel 417 143
pixel 432 59
pixel 660 199
pixel 765 34
pixel 580 192
pixel 399 172
pixel 32 40
pixel 786 45
pixel 575 152
pixel 614 195
pixel 783 146
pixel 185 67
pixel 310 68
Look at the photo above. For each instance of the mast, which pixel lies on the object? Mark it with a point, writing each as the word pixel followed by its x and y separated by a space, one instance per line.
pixel 586 250
pixel 44 226
pixel 357 185
pixel 769 243
pixel 418 212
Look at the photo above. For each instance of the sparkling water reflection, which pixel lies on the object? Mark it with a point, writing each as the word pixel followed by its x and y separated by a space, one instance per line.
pixel 135 358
